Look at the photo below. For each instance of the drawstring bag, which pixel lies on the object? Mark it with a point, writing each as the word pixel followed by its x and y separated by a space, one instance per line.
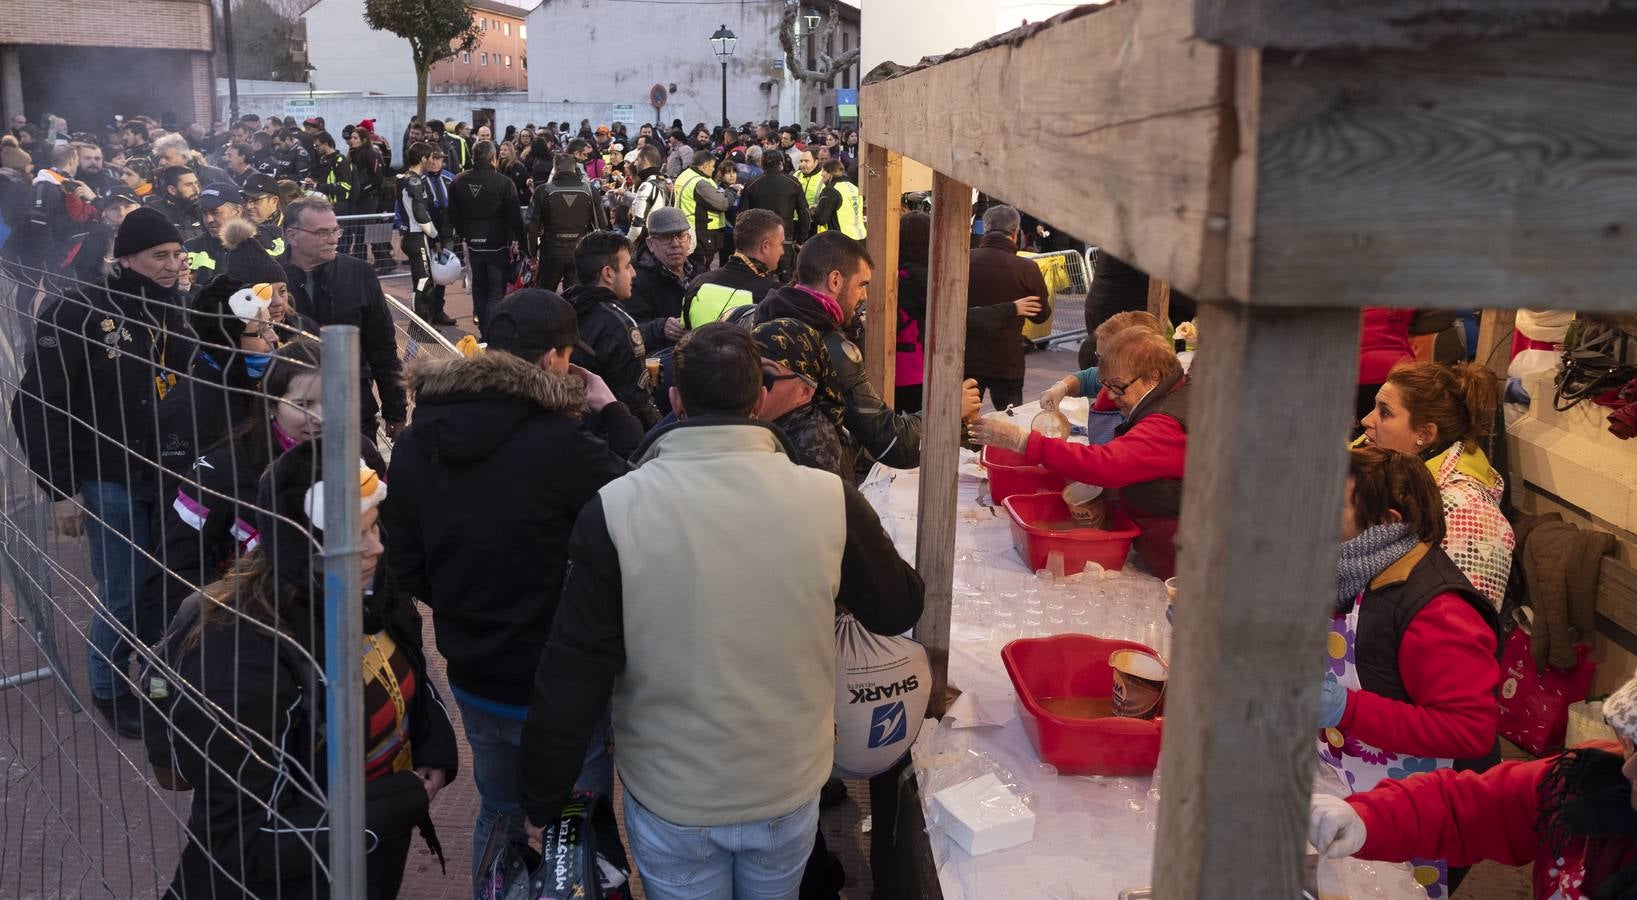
pixel 883 683
pixel 583 858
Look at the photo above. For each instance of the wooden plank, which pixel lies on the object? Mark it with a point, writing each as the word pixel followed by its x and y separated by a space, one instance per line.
pixel 1159 299
pixel 1380 24
pixel 1247 105
pixel 1493 174
pixel 1495 340
pixel 941 422
pixel 1261 503
pixel 883 199
pixel 1617 593
pixel 1124 100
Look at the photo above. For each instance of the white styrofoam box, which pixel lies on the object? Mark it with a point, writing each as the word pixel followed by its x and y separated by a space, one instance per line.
pixel 983 815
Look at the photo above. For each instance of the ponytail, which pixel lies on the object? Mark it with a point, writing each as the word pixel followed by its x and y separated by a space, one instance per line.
pixel 1482 390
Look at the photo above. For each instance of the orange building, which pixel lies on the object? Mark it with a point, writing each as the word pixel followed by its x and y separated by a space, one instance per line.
pixel 500 60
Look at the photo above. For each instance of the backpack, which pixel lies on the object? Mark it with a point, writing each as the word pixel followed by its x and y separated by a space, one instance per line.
pixel 583 858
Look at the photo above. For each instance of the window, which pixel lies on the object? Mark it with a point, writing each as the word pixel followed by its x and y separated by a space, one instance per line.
pixel 847 78
pixel 466 57
pixel 483 59
pixel 846 41
pixel 508 60
pixel 482 24
pixel 523 32
pixel 506 28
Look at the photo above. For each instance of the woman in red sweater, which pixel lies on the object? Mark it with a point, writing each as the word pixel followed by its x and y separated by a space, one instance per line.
pixel 1144 460
pixel 1573 815
pixel 1410 684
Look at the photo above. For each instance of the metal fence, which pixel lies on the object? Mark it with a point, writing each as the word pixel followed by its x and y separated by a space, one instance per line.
pixel 137 566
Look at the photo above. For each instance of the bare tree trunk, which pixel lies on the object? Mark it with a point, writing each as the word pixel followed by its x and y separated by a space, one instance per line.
pixel 422 73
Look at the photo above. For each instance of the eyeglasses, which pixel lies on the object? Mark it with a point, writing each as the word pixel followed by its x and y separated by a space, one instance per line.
pixel 322 232
pixel 1116 388
pixel 769 379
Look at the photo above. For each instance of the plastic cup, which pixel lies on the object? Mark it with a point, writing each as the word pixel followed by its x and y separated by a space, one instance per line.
pixel 1139 683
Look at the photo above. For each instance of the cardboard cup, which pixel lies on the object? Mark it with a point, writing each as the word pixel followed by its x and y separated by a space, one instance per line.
pixel 1139 683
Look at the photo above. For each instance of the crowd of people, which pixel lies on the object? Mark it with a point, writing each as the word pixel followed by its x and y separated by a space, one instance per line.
pixel 668 375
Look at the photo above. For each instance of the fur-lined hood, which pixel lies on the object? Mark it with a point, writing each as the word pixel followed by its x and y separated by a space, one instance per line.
pixel 431 380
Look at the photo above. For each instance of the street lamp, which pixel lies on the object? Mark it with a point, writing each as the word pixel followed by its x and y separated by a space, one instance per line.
pixel 723 41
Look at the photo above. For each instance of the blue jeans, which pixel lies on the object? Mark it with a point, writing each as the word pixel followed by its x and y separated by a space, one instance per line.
pixel 117 523
pixel 760 860
pixel 497 753
pixel 491 269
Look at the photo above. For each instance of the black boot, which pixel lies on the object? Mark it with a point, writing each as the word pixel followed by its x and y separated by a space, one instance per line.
pixel 124 714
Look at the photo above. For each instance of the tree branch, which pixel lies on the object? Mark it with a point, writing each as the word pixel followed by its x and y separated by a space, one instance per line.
pixel 827 67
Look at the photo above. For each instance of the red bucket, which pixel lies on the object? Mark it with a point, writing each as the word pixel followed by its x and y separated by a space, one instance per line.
pixel 1009 474
pixel 1033 514
pixel 1076 665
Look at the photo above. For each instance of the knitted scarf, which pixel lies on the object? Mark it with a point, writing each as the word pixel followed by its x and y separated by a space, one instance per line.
pixel 1366 556
pixel 1585 795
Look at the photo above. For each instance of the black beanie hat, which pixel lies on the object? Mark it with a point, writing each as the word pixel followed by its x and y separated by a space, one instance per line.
pixel 247 260
pixel 144 228
pixel 211 315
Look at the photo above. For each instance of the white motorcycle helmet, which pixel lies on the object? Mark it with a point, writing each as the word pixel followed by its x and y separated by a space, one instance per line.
pixel 446 267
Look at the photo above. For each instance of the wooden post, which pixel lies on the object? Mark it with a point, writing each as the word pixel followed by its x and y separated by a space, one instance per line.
pixel 883 200
pixel 1495 340
pixel 1259 533
pixel 1159 298
pixel 941 425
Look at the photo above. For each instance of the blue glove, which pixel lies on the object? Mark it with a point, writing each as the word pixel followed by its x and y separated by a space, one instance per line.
pixel 1332 704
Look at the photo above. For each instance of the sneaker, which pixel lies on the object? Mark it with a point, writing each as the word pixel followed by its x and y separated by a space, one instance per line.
pixel 124 714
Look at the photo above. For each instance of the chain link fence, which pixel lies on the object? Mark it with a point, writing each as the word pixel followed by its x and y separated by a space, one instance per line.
pixel 168 661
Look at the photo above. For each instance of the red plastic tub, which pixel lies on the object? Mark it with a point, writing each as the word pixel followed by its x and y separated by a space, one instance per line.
pixel 1032 514
pixel 1076 665
pixel 1009 475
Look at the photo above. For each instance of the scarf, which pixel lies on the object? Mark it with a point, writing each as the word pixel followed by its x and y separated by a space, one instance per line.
pixel 756 266
pixel 1585 795
pixel 1367 555
pixel 825 300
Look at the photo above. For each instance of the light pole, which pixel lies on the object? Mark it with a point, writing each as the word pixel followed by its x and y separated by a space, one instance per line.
pixel 723 41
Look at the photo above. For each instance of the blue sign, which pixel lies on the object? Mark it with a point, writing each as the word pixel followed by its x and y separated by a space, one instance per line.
pixel 889 724
pixel 846 96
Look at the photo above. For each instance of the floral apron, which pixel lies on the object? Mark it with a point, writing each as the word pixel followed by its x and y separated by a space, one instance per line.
pixel 1361 765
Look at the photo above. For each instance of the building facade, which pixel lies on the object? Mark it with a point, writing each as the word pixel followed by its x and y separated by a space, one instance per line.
pixel 499 62
pixel 348 55
pixel 58 59
pixel 618 54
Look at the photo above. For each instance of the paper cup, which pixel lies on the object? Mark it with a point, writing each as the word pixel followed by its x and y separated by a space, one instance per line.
pixel 1139 683
pixel 1171 589
pixel 1085 502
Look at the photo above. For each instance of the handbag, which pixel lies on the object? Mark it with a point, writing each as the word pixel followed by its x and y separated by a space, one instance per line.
pixel 1535 703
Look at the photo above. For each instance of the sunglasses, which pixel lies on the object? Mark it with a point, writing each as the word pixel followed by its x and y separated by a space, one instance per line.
pixel 769 379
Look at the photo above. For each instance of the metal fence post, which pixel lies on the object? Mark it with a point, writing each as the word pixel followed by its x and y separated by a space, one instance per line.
pixel 343 611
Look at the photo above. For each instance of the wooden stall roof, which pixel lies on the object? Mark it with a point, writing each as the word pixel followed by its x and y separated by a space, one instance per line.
pixel 1113 124
pixel 1384 24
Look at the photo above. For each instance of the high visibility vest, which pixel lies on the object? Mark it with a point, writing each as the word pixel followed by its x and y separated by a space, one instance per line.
pixel 850 215
pixel 710 302
pixel 812 185
pixel 689 204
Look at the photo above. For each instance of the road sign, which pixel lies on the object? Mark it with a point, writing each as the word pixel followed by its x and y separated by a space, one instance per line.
pixel 847 103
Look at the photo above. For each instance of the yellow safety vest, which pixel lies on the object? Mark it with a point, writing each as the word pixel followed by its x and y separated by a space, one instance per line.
pixel 689 204
pixel 850 215
pixel 710 302
pixel 812 185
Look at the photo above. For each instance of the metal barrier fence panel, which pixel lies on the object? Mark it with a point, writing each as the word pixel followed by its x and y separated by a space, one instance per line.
pixel 137 562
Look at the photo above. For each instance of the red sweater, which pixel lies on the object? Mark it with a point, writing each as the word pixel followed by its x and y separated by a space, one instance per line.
pixel 1468 817
pixel 1447 663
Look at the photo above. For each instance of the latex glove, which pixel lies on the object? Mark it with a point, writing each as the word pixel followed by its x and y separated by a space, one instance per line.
pixel 1332 704
pixel 597 392
pixel 67 518
pixel 1334 827
pixel 1055 394
pixel 999 431
pixel 971 399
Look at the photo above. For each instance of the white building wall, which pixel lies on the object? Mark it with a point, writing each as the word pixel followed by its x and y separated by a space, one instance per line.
pixel 578 52
pixel 348 55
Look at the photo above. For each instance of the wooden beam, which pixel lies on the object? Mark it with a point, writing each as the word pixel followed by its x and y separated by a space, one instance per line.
pixel 1493 174
pixel 1124 101
pixel 1380 24
pixel 1261 503
pixel 1495 340
pixel 1159 299
pixel 882 172
pixel 941 422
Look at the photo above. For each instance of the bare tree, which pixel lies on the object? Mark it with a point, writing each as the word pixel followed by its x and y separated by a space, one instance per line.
pixel 826 67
